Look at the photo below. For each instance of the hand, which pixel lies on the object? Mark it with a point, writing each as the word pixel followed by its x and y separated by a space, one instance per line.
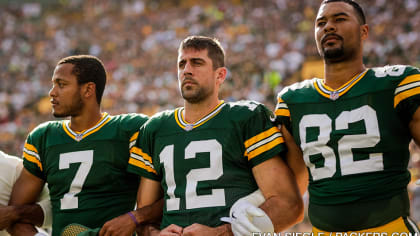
pixel 199 229
pixel 246 218
pixel 21 229
pixel 122 225
pixel 8 216
pixel 148 230
pixel 171 230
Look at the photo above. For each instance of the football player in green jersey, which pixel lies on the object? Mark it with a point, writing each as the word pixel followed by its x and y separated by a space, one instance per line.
pixel 354 127
pixel 205 156
pixel 83 159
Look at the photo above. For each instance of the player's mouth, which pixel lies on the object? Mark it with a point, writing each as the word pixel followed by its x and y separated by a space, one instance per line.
pixel 54 103
pixel 188 82
pixel 330 39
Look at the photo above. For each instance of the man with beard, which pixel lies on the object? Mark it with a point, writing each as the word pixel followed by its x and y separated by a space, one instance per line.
pixel 209 153
pixel 83 159
pixel 354 127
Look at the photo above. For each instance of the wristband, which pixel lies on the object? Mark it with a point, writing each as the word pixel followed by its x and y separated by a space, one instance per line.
pixel 133 218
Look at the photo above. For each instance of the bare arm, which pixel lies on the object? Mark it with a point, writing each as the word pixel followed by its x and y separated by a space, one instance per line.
pixel 149 197
pixel 149 201
pixel 414 126
pixel 283 203
pixel 149 192
pixel 30 213
pixel 27 189
pixel 150 217
pixel 294 159
pixel 149 209
pixel 22 229
pixel 199 229
pixel 24 195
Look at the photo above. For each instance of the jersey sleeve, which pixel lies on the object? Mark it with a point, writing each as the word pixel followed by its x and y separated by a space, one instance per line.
pixel 32 153
pixel 407 94
pixel 263 140
pixel 141 161
pixel 132 122
pixel 282 112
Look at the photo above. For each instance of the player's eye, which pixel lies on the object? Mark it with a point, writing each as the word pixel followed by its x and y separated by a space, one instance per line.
pixel 181 64
pixel 197 62
pixel 320 23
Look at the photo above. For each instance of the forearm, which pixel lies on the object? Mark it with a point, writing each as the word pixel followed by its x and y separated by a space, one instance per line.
pixel 148 211
pixel 22 229
pixel 283 213
pixel 10 215
pixel 149 214
pixel 31 214
pixel 224 230
pixel 283 204
pixel 294 159
pixel 300 173
pixel 148 229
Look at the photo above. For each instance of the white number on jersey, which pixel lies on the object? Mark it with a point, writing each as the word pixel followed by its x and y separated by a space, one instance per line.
pixel 345 145
pixel 395 70
pixel 215 171
pixel 85 158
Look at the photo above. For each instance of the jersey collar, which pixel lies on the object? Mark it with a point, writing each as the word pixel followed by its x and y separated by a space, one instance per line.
pixel 83 134
pixel 332 94
pixel 189 126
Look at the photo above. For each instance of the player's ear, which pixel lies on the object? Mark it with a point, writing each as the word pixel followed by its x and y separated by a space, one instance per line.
pixel 89 89
pixel 221 73
pixel 364 31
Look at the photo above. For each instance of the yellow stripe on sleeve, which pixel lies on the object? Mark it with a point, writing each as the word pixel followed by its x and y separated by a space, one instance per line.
pixel 264 148
pixel 261 136
pixel 134 137
pixel 30 147
pixel 282 112
pixel 32 159
pixel 139 152
pixel 405 94
pixel 410 79
pixel 140 164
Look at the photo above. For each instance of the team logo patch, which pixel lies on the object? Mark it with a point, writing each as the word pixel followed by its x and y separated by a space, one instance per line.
pixel 334 95
pixel 78 137
pixel 189 127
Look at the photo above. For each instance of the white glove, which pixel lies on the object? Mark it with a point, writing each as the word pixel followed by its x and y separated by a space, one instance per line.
pixel 256 198
pixel 40 234
pixel 246 217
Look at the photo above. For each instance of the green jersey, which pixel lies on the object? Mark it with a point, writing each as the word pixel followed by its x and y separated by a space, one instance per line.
pixel 355 145
pixel 206 166
pixel 85 171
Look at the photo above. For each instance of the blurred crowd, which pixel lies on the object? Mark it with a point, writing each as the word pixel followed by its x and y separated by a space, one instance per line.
pixel 269 44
